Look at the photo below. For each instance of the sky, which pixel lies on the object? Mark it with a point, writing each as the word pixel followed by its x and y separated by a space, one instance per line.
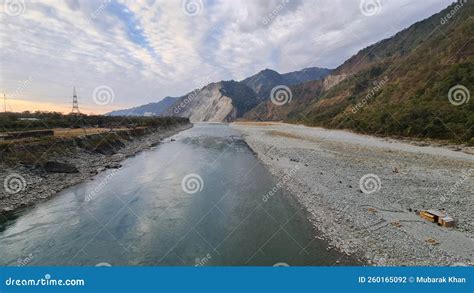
pixel 119 54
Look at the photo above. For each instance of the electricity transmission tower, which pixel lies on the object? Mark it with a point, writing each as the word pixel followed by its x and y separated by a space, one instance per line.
pixel 78 120
pixel 75 103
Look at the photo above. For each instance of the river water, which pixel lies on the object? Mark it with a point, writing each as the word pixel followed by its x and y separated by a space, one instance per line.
pixel 142 214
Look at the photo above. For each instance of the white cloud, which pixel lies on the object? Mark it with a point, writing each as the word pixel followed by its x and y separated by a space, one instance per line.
pixel 146 50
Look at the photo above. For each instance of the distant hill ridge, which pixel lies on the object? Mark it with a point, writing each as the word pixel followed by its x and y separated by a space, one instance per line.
pixel 151 109
pixel 224 100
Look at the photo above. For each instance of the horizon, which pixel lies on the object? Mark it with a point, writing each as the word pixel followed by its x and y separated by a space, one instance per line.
pixel 125 62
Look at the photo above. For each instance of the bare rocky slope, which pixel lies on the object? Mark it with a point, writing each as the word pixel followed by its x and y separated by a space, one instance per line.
pixel 216 102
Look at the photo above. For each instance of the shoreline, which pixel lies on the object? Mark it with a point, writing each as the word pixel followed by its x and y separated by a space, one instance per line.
pixel 427 143
pixel 381 228
pixel 38 185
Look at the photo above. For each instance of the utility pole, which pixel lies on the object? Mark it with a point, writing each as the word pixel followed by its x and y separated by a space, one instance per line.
pixel 75 103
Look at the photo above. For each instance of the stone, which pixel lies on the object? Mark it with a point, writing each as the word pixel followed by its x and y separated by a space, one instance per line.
pixel 57 167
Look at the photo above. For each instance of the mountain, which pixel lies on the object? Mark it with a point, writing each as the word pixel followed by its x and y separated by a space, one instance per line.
pixel 229 100
pixel 398 86
pixel 264 81
pixel 216 102
pixel 225 100
pixel 302 97
pixel 151 109
pixel 307 74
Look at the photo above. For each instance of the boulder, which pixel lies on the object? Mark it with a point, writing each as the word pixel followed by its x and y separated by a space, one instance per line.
pixel 113 165
pixel 57 167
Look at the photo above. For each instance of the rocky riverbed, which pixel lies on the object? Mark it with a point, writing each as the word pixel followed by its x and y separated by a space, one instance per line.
pixel 363 192
pixel 24 184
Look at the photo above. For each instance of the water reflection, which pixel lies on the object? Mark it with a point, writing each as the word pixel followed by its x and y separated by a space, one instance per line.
pixel 140 215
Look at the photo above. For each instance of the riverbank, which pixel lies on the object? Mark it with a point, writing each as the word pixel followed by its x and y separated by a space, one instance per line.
pixel 34 172
pixel 323 169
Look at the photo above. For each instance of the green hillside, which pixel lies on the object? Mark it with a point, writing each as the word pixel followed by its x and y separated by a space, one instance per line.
pixel 398 86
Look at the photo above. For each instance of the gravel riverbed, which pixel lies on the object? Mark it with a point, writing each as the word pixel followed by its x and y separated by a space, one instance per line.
pixel 362 192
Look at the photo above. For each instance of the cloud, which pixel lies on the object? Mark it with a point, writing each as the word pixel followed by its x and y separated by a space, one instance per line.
pixel 146 50
pixel 73 4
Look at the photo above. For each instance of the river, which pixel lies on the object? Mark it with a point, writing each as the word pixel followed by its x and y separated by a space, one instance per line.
pixel 197 200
